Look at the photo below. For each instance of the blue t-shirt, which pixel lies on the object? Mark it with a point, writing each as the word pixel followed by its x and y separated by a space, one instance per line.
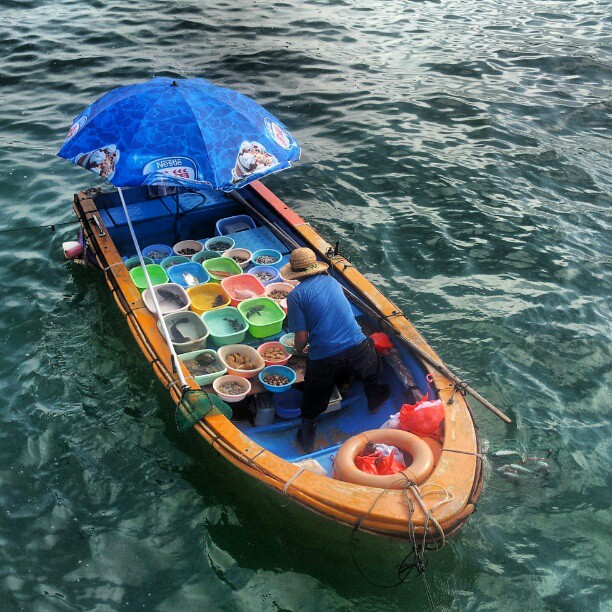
pixel 318 306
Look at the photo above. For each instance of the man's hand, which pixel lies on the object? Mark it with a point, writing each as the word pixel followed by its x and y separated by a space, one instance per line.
pixel 300 342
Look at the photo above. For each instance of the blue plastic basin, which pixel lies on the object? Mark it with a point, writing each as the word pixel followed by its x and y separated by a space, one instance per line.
pixel 288 405
pixel 282 370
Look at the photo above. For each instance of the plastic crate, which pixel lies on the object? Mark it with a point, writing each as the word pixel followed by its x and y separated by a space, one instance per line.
pixel 234 225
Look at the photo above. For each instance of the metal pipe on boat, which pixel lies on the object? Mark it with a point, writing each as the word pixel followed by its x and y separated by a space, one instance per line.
pixel 441 367
pixel 160 316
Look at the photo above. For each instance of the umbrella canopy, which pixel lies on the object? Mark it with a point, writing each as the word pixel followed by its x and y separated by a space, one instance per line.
pixel 183 132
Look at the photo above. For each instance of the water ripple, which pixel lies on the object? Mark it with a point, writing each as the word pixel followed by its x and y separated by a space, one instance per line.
pixel 461 153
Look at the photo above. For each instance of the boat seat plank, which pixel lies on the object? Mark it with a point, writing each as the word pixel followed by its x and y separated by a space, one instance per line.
pixel 190 201
pixel 153 209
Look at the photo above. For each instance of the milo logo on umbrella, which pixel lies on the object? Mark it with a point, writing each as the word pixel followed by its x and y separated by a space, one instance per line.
pixel 278 134
pixel 181 168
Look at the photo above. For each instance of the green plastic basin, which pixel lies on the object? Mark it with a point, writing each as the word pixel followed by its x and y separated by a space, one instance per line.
pixel 204 379
pixel 221 332
pixel 157 275
pixel 264 316
pixel 226 265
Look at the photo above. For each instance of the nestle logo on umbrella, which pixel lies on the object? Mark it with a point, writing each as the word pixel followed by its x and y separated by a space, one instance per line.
pixel 182 167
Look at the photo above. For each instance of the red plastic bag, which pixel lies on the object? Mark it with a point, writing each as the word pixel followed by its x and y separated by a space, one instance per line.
pixel 367 463
pixel 422 418
pixel 388 465
pixel 376 464
pixel 382 342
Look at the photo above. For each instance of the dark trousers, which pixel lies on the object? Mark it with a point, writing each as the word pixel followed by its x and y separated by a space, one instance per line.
pixel 319 379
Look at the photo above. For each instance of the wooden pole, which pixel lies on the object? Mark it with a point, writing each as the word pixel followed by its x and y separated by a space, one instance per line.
pixel 441 367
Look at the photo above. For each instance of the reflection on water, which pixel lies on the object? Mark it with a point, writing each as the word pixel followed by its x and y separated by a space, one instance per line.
pixel 458 151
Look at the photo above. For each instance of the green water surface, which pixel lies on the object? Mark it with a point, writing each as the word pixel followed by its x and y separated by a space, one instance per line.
pixel 460 151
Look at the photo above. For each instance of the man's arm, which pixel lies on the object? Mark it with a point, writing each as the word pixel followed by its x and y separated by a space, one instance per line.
pixel 297 323
pixel 300 342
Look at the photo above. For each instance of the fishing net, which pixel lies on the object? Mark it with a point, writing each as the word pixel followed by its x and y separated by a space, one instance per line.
pixel 195 405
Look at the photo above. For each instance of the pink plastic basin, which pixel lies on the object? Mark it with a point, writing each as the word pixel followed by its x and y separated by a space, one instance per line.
pixel 235 285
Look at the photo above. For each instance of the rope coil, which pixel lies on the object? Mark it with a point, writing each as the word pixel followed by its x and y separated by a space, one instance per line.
pixel 416 558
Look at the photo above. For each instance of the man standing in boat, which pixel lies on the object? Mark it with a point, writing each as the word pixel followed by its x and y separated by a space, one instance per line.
pixel 320 315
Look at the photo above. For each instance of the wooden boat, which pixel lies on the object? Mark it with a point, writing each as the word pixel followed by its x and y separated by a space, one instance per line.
pixel 448 496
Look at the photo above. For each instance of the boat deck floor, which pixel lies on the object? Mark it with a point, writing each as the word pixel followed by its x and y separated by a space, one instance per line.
pixel 333 429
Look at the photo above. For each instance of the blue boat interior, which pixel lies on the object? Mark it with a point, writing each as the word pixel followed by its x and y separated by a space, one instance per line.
pixel 162 216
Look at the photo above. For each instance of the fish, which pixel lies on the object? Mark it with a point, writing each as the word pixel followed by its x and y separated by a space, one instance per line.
pixel 508 473
pixel 234 324
pixel 175 334
pixel 256 310
pixel 168 296
pixel 244 294
pixel 218 301
pixel 190 279
pixel 519 469
pixel 205 360
pixel 506 453
pixel 541 467
pixel 222 273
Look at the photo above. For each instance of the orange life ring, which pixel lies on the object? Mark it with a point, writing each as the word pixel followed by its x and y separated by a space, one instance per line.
pixel 421 467
pixel 436 447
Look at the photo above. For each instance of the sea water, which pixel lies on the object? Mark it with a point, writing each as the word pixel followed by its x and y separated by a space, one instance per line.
pixel 460 153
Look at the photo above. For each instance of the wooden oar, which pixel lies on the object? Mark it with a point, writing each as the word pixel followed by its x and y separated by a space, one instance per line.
pixel 441 367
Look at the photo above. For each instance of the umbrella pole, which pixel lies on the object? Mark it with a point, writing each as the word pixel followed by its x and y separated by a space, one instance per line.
pixel 175 361
pixel 177 222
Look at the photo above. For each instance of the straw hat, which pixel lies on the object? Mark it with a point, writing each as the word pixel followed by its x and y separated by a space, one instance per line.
pixel 302 263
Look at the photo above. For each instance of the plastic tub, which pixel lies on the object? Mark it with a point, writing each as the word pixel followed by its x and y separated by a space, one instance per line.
pixel 134 262
pixel 229 378
pixel 221 332
pixel 173 260
pixel 277 370
pixel 288 405
pixel 245 350
pixel 219 244
pixel 287 341
pixel 256 271
pixel 157 275
pixel 207 297
pixel 225 265
pixel 161 251
pixel 267 253
pixel 188 274
pixel 232 225
pixel 264 406
pixel 188 248
pixel 282 302
pixel 261 349
pixel 187 331
pixel 244 254
pixel 170 296
pixel 204 255
pixel 242 287
pixel 267 318
pixel 203 379
pixel 335 402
